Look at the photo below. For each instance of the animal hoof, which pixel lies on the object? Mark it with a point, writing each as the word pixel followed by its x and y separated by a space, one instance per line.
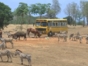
pixel 11 61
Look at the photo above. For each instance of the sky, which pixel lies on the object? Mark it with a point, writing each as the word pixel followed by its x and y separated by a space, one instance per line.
pixel 13 4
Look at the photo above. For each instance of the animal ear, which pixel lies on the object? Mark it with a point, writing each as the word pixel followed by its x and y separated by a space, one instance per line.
pixel 16 49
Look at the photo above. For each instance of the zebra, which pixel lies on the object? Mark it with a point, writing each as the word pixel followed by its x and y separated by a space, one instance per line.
pixel 2 45
pixel 87 39
pixel 23 56
pixel 7 40
pixel 80 38
pixel 71 36
pixel 64 36
pixel 75 36
pixel 6 53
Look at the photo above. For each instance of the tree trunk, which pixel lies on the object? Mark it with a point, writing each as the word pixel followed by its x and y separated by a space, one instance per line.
pixel 84 22
pixel 75 21
pixel 87 20
pixel 70 21
pixel 22 23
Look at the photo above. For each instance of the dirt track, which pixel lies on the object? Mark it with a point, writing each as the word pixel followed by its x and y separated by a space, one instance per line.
pixel 50 52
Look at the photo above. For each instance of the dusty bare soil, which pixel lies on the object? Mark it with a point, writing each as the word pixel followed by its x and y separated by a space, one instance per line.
pixel 50 52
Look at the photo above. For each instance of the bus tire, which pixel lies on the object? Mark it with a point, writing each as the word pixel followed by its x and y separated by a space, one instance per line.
pixel 50 34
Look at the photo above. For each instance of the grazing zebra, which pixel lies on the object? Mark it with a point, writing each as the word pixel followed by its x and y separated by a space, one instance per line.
pixel 6 53
pixel 77 36
pixel 63 32
pixel 74 36
pixel 71 36
pixel 23 56
pixel 64 36
pixel 87 39
pixel 80 39
pixel 7 40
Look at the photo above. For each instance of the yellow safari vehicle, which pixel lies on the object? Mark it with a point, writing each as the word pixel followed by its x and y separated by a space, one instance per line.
pixel 50 26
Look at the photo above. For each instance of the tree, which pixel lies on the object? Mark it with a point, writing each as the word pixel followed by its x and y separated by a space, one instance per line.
pixel 33 9
pixel 68 10
pixel 84 7
pixel 68 13
pixel 69 19
pixel 38 9
pixel 5 15
pixel 79 15
pixel 72 10
pixel 56 7
pixel 22 10
pixel 50 13
pixel 42 9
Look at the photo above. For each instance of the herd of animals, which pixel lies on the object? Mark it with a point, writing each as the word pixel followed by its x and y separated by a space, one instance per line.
pixel 36 33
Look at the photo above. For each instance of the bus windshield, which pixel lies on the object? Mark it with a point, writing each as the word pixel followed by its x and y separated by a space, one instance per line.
pixel 43 23
pixel 38 23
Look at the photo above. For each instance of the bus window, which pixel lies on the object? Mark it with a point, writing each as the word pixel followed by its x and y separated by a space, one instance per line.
pixel 49 23
pixel 59 23
pixel 54 24
pixel 43 23
pixel 38 23
pixel 65 24
pixel 62 23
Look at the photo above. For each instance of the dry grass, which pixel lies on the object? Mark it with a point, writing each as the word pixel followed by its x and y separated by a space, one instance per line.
pixel 50 52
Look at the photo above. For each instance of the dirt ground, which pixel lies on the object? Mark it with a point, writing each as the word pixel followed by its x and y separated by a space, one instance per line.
pixel 50 52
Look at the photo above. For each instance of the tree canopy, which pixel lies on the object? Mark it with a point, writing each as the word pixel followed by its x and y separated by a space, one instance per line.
pixel 24 13
pixel 5 15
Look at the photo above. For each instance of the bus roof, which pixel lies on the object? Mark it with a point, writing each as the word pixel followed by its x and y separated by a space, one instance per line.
pixel 53 19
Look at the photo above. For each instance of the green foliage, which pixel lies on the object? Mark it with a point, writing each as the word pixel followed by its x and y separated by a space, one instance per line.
pixel 18 20
pixel 21 11
pixel 80 23
pixel 84 8
pixel 42 8
pixel 72 9
pixel 79 15
pixel 39 8
pixel 5 15
pixel 51 13
pixel 33 9
pixel 69 19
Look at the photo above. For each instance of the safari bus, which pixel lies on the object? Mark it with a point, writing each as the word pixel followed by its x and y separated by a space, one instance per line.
pixel 51 26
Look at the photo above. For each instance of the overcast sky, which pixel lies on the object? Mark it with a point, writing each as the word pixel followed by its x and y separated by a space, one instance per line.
pixel 13 4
